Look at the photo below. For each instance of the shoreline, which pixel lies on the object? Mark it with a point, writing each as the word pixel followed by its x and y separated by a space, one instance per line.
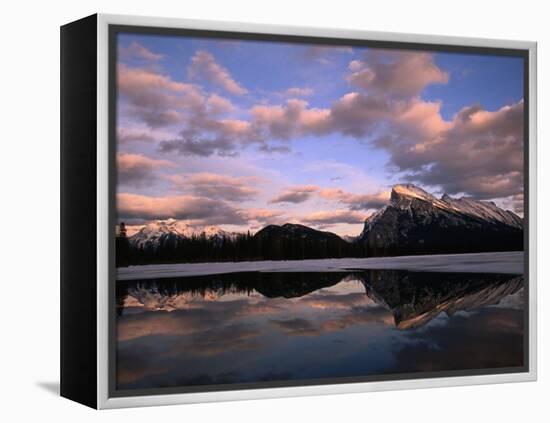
pixel 509 262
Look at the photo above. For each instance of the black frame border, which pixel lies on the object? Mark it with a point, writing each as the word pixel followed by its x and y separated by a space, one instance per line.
pixel 78 211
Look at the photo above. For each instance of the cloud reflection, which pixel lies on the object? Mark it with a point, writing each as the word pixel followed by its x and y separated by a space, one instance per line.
pixel 255 327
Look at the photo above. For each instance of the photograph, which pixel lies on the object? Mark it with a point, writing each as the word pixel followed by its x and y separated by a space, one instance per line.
pixel 296 212
pixel 275 213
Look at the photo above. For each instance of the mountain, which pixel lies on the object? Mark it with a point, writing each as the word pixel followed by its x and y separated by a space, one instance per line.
pixel 170 232
pixel 417 222
pixel 413 222
pixel 415 298
pixel 296 242
pixel 169 294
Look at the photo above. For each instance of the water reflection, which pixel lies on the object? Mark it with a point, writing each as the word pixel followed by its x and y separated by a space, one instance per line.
pixel 252 327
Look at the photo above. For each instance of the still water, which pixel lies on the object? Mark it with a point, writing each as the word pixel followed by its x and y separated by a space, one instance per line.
pixel 283 327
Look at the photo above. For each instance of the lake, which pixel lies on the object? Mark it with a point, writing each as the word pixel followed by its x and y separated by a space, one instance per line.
pixel 288 328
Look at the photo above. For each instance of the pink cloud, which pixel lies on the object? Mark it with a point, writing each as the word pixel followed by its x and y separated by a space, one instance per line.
pixel 127 135
pixel 218 104
pixel 137 51
pixel 356 201
pixel 213 185
pixel 423 118
pixel 196 210
pixel 126 161
pixel 203 65
pixel 297 194
pixel 399 73
pixel 205 136
pixel 467 154
pixel 159 101
pixel 479 152
pixel 258 217
pixel 156 99
pixel 292 119
pixel 138 170
pixel 138 79
pixel 331 217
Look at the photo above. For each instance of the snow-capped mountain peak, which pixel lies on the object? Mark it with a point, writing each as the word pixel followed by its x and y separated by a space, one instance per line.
pixel 158 232
pixel 416 221
pixel 412 191
pixel 403 195
pixel 484 210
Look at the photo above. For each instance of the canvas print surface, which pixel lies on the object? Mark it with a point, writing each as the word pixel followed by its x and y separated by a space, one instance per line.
pixel 296 213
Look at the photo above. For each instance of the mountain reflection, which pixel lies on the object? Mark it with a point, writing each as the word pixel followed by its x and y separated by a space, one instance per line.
pixel 413 298
pixel 283 327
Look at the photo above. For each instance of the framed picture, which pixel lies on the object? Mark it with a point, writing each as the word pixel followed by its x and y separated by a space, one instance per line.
pixel 254 211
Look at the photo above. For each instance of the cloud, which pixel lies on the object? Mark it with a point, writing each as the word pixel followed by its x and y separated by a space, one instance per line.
pixel 263 215
pixel 419 119
pixel 356 201
pixel 297 194
pixel 289 120
pixel 299 92
pixel 128 135
pixel 333 322
pixel 331 217
pixel 396 73
pixel 213 185
pixel 479 153
pixel 325 54
pixel 268 148
pixel 197 210
pixel 204 136
pixel 137 170
pixel 359 115
pixel 154 98
pixel 218 104
pixel 134 82
pixel 354 114
pixel 159 101
pixel 199 147
pixel 203 65
pixel 296 326
pixel 137 51
pixel 517 203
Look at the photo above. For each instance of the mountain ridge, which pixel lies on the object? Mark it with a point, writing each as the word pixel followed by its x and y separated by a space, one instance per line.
pixel 159 232
pixel 415 221
pixel 412 222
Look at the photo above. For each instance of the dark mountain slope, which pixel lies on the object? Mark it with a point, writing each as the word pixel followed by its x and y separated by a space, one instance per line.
pixel 415 222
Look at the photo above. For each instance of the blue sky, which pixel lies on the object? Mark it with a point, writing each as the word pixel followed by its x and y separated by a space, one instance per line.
pixel 308 134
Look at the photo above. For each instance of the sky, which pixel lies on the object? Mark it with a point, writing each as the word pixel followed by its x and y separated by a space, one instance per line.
pixel 241 134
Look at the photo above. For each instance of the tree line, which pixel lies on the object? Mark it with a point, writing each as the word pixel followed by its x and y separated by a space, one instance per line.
pixel 242 247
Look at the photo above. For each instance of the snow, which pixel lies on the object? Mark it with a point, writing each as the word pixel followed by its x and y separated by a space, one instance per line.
pixel 483 210
pixel 499 262
pixel 410 190
pixel 153 230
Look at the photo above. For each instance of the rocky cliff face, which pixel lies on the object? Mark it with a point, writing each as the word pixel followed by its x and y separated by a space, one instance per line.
pixel 416 222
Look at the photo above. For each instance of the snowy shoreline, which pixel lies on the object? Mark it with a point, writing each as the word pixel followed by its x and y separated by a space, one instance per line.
pixel 499 262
